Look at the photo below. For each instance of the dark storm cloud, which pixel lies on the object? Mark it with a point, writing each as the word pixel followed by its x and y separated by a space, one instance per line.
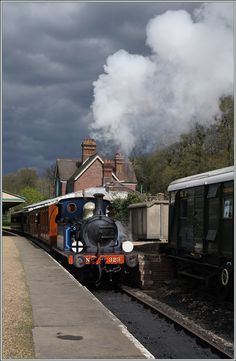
pixel 52 54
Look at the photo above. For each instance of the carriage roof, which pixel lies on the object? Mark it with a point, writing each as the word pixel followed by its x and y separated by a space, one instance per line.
pixel 80 194
pixel 215 176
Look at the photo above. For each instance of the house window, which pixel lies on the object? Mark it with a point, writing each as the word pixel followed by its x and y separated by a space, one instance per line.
pixel 57 187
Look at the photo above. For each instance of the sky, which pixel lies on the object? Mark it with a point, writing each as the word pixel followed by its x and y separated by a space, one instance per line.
pixel 130 75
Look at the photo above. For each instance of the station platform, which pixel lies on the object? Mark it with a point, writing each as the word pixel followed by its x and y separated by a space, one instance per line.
pixel 68 321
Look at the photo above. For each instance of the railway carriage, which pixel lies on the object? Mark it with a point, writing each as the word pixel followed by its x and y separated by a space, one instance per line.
pixel 201 228
pixel 19 221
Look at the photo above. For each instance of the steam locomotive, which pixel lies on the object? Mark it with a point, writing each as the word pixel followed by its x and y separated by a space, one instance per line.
pixel 80 233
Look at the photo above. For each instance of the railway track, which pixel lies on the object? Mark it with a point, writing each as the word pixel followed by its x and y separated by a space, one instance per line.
pixel 215 343
pixel 162 338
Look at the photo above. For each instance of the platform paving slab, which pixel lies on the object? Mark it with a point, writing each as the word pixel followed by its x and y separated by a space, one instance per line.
pixel 69 322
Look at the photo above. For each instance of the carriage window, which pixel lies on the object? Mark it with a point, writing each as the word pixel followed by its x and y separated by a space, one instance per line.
pixel 227 208
pixel 71 207
pixel 183 207
pixel 172 197
pixel 183 193
pixel 212 190
pixel 211 234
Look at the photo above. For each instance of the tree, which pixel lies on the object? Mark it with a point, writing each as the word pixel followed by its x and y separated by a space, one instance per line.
pixel 28 177
pixel 49 176
pixel 14 182
pixel 202 149
pixel 225 130
pixel 142 171
pixel 9 183
pixel 31 195
pixel 120 207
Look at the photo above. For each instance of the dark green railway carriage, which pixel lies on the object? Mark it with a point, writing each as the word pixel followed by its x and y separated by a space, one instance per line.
pixel 201 224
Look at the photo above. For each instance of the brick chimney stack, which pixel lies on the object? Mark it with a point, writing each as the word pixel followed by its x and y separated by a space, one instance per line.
pixel 88 148
pixel 119 166
pixel 107 171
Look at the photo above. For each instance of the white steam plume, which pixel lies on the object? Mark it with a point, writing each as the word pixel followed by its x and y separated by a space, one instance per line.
pixel 190 68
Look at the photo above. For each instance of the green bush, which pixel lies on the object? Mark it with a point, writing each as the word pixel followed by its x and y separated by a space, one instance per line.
pixel 120 207
pixel 31 195
pixel 6 220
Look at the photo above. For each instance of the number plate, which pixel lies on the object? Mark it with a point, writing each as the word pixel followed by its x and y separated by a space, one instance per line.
pixel 110 259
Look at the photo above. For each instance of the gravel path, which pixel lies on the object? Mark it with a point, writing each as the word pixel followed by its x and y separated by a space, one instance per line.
pixel 17 340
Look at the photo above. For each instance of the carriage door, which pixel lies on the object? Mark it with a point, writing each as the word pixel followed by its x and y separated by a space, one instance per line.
pixel 37 224
pixel 186 213
pixel 212 218
pixel 198 219
pixel 226 236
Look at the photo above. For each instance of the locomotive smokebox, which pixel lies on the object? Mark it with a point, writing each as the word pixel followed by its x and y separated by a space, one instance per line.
pixel 98 204
pixel 99 230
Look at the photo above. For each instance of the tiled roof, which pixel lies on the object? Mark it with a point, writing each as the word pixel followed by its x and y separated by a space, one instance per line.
pixel 67 167
pixel 70 169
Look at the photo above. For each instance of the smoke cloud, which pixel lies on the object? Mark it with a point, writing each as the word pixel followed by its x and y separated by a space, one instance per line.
pixel 158 97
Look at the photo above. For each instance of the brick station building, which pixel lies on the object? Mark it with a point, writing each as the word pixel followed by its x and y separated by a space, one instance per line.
pixel 92 170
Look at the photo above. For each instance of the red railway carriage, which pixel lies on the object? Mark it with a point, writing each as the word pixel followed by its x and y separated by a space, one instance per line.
pixel 42 224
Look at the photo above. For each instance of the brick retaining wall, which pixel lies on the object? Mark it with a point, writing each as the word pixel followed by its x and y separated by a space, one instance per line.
pixel 155 266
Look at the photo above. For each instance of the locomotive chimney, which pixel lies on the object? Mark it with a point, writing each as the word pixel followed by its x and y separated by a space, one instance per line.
pixel 88 148
pixel 98 204
pixel 119 166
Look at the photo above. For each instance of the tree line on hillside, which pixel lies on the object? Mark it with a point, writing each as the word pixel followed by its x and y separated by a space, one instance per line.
pixel 27 183
pixel 202 149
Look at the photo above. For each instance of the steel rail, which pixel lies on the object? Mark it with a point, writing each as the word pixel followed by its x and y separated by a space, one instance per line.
pixel 158 307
